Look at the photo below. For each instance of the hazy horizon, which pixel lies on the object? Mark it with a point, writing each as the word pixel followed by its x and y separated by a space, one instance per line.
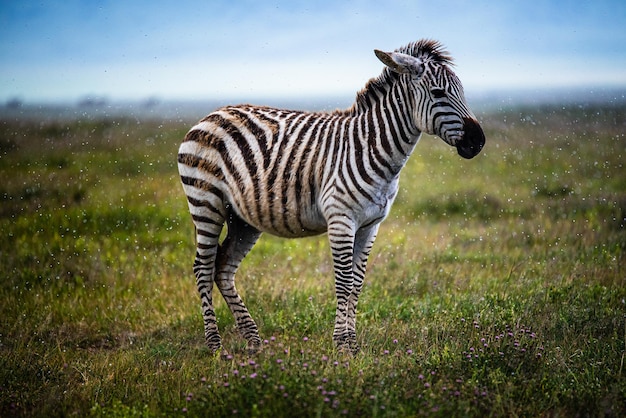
pixel 193 109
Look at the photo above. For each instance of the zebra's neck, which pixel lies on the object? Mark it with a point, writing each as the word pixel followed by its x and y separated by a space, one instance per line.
pixel 383 115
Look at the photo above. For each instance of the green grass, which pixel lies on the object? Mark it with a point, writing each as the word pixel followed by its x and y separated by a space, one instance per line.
pixel 496 287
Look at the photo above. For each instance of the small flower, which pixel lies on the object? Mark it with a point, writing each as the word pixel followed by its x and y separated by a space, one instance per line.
pixel 305 339
pixel 253 375
pixel 272 338
pixel 279 361
pixel 420 377
pixel 226 384
pixel 386 352
pixel 426 385
pixel 409 351
pixel 395 341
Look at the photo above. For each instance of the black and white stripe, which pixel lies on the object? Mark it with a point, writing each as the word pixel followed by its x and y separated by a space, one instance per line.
pixel 292 174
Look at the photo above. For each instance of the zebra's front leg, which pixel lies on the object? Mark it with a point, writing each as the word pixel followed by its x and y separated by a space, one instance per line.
pixel 341 238
pixel 363 242
pixel 239 241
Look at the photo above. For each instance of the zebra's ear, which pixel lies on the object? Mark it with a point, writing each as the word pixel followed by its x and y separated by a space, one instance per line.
pixel 401 63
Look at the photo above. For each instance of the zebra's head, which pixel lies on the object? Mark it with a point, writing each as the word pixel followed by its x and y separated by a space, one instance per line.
pixel 439 106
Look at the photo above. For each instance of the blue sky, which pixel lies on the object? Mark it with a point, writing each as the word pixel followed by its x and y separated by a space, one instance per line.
pixel 68 49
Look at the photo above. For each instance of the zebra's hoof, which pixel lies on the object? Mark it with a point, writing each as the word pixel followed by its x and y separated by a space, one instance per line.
pixel 224 355
pixel 253 348
pixel 355 349
pixel 348 349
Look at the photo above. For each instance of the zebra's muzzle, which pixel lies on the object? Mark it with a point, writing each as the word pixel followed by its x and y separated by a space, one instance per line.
pixel 473 139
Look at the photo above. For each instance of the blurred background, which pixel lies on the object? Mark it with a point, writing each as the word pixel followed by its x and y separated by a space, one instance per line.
pixel 300 53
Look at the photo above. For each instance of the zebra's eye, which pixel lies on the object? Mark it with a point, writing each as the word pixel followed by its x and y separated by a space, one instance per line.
pixel 438 93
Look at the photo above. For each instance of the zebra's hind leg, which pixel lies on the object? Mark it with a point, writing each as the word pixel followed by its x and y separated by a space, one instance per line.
pixel 209 224
pixel 239 241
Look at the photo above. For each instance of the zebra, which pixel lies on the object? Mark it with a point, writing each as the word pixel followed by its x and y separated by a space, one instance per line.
pixel 254 169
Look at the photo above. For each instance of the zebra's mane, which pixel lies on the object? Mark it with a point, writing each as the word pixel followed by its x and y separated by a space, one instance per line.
pixel 426 49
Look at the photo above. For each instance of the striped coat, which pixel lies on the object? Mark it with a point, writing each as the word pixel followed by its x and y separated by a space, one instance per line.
pixel 293 173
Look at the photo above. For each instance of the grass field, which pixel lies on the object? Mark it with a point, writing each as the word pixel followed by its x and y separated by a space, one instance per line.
pixel 497 286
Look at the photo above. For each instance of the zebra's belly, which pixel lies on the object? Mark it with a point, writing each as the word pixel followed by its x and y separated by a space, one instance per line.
pixel 288 221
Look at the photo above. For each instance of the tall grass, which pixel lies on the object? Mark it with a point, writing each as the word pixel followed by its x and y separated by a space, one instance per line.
pixel 496 286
